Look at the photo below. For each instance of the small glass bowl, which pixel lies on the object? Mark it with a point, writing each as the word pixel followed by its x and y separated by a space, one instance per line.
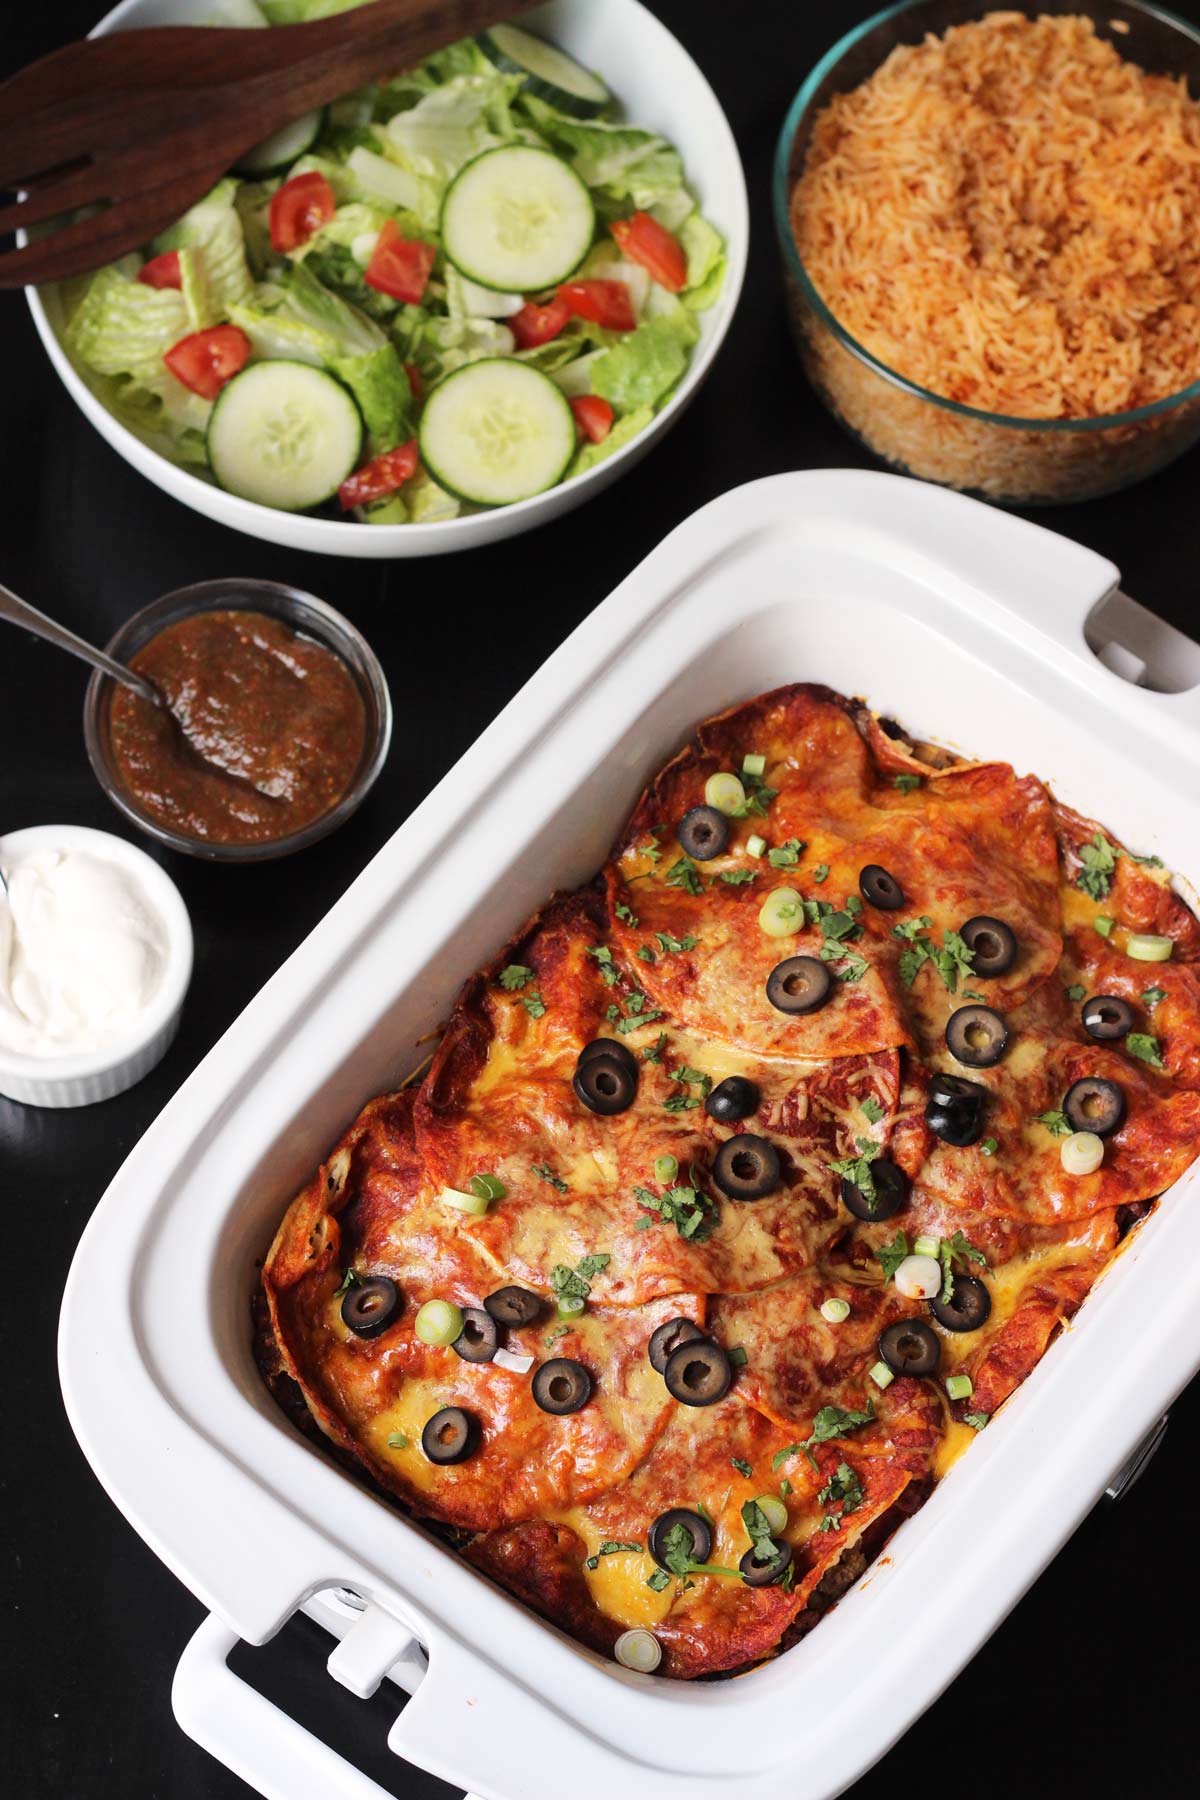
pixel 311 618
pixel 1028 462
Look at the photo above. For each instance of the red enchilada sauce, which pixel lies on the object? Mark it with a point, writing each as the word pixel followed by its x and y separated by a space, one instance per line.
pixel 264 735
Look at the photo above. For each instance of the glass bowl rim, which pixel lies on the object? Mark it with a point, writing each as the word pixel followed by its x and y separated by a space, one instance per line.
pixel 304 612
pixel 781 198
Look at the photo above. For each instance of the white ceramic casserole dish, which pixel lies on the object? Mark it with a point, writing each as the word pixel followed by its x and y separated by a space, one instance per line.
pixel 967 624
pixel 659 86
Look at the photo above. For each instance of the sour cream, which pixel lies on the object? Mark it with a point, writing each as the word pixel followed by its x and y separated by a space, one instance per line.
pixel 82 953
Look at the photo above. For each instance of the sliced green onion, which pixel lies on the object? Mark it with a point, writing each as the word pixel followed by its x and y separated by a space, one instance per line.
pixel 881 1375
pixel 959 1387
pixel 1143 946
pixel 726 793
pixel 638 1650
pixel 755 845
pixel 464 1203
pixel 569 1306
pixel 781 913
pixel 439 1322
pixel 753 764
pixel 773 1511
pixel 835 1310
pixel 488 1187
pixel 926 1245
pixel 1104 925
pixel 666 1168
pixel 1082 1153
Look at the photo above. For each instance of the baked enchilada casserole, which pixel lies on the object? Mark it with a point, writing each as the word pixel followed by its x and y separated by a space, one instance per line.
pixel 748 1182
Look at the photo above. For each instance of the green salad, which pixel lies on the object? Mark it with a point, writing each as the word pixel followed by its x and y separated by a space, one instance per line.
pixel 451 290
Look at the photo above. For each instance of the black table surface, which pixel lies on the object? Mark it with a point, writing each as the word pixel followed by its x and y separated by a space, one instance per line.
pixel 1080 1689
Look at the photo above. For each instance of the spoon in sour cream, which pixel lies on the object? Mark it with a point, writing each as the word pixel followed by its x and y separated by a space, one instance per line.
pixel 19 612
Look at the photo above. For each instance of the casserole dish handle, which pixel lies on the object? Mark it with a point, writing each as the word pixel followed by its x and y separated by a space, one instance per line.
pixel 250 1735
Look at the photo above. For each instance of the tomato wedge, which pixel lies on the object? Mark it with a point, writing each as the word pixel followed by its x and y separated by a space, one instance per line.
pixel 535 324
pixel 643 240
pixel 162 271
pixel 593 416
pixel 399 266
pixel 205 360
pixel 298 209
pixel 382 475
pixel 603 302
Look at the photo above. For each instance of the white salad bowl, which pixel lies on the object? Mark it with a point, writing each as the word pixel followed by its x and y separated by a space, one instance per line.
pixel 658 85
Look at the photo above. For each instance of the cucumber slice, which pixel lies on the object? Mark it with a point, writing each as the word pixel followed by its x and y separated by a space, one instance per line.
pixel 283 146
pixel 517 219
pixel 284 434
pixel 549 72
pixel 496 431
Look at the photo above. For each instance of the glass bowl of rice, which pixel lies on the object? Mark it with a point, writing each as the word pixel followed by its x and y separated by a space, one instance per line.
pixel 990 228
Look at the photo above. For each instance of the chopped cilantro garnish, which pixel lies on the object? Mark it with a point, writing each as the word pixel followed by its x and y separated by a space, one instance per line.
pixel 758 795
pixel 688 1078
pixel 735 877
pixel 646 953
pixel 821 873
pixel 857 1169
pixel 552 1337
pixel 677 1547
pixel 786 856
pixel 349 1278
pixel 1055 1123
pixel 845 1487
pixel 737 1356
pixel 658 1580
pixel 547 1174
pixel 950 1250
pixel 852 967
pixel 626 914
pixel 608 968
pixel 892 1255
pixel 1099 859
pixel 688 1208
pixel 673 945
pixel 682 874
pixel 576 1284
pixel 952 959
pixel 650 849
pixel 872 1109
pixel 1151 997
pixel 533 1003
pixel 830 1422
pixel 742 1466
pixel 1145 1048
pixel 1076 991
pixel 514 976
pixel 653 1052
pixel 906 783
pixel 973 994
pixel 610 1547
pixel 759 1532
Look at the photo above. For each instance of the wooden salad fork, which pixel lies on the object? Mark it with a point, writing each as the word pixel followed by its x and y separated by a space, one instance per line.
pixel 136 126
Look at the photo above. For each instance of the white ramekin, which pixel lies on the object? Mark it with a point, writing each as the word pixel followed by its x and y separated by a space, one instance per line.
pixel 100 1074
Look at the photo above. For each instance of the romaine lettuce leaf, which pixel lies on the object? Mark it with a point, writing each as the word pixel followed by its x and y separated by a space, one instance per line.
pixel 379 178
pixel 426 501
pixel 380 385
pixel 120 327
pixel 213 227
pixel 647 362
pixel 706 261
pixel 455 122
pixel 623 431
pixel 623 160
pixel 299 12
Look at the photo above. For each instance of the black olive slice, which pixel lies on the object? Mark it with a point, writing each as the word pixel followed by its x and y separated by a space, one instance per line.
pixel 562 1385
pixel 698 1372
pixel 993 945
pixel 746 1167
pixel 765 1574
pixel 450 1436
pixel 608 1047
pixel 1106 1017
pixel 950 1090
pixel 370 1306
pixel 514 1306
pixel 732 1099
pixel 977 1036
pixel 1094 1104
pixel 911 1347
pixel 879 887
pixel 698 1529
pixel 967 1309
pixel 799 984
pixel 891 1192
pixel 479 1338
pixel 703 833
pixel 605 1085
pixel 667 1337
pixel 959 1124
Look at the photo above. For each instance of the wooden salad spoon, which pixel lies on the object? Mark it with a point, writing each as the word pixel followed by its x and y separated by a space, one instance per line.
pixel 136 126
